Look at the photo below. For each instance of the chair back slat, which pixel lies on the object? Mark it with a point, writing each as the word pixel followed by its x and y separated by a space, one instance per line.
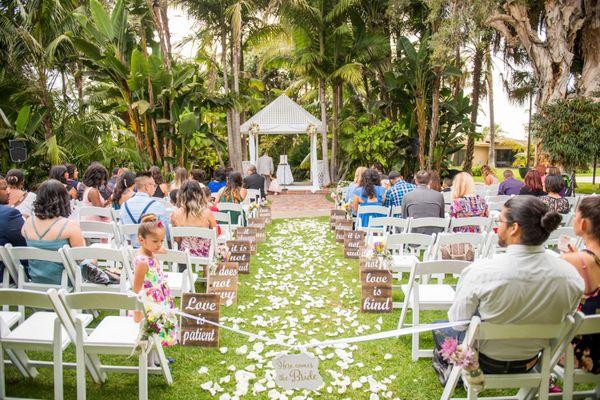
pixel 90 211
pixel 101 301
pixel 26 298
pixel 440 267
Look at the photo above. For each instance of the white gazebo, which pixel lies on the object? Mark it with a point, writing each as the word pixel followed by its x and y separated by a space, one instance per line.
pixel 284 116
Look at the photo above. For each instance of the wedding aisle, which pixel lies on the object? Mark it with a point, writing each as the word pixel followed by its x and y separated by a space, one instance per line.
pixel 300 289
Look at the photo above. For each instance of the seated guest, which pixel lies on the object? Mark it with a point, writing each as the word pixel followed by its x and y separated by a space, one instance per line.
pixel 112 182
pixel 525 285
pixel 73 175
pixel 510 186
pixel 556 171
pixel 161 187
pixel 377 166
pixel 123 190
pixel 142 203
pixel 533 184
pixel 434 181
pixel 199 175
pixel 11 221
pixel 447 185
pixel 95 179
pixel 173 197
pixel 192 210
pixel 554 185
pixel 254 181
pixel 465 202
pixel 61 174
pixel 18 197
pixel 371 193
pixel 233 192
pixel 49 228
pixel 181 175
pixel 489 176
pixel 423 202
pixel 354 185
pixel 587 262
pixel 399 188
pixel 219 180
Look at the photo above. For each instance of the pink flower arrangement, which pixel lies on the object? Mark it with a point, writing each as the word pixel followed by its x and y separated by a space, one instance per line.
pixel 464 357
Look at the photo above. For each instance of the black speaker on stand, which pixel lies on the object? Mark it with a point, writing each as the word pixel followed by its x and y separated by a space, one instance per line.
pixel 18 150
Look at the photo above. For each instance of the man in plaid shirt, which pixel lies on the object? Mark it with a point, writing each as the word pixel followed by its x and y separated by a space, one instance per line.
pixel 399 188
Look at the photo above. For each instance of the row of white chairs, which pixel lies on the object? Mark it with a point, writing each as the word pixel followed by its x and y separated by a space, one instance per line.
pixel 56 321
pixel 421 296
pixel 172 262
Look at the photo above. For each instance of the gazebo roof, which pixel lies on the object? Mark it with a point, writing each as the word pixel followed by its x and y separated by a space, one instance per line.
pixel 282 115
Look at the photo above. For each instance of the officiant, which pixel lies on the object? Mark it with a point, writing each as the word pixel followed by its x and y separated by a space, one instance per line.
pixel 264 167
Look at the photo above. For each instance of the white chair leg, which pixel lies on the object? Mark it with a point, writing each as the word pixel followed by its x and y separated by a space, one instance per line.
pixel 164 363
pixel 2 378
pixel 24 361
pixel 451 383
pixel 415 336
pixel 143 372
pixel 568 373
pixel 58 371
pixel 17 363
pixel 471 393
pixel 81 385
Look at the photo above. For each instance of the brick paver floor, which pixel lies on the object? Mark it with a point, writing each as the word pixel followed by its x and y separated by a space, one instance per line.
pixel 299 205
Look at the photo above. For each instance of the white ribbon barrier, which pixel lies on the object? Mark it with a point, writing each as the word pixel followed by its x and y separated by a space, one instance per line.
pixel 355 339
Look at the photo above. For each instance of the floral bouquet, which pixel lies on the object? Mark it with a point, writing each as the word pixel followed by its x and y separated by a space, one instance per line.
pixel 264 203
pixel 253 207
pixel 465 357
pixel 348 208
pixel 159 320
pixel 221 253
pixel 377 250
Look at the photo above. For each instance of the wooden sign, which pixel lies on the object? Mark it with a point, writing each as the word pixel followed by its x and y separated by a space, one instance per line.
pixel 259 225
pixel 222 279
pixel 236 246
pixel 340 230
pixel 242 259
pixel 297 371
pixel 376 290
pixel 356 235
pixel 265 212
pixel 336 216
pixel 352 248
pixel 196 333
pixel 246 233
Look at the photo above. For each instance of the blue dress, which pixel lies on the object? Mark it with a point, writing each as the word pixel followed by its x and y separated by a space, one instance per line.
pixel 215 186
pixel 46 271
pixel 379 192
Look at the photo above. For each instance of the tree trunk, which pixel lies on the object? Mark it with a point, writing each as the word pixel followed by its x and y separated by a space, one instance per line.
pixel 337 89
pixel 79 85
pixel 490 93
pixel 235 158
pixel 435 114
pixel 155 11
pixel 589 82
pixel 477 69
pixel 552 57
pixel 324 143
pixel 226 89
pixel 46 105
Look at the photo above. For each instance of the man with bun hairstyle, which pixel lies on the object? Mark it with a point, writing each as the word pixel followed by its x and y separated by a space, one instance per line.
pixel 525 285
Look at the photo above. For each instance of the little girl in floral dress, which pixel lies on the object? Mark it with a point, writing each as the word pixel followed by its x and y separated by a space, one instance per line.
pixel 148 276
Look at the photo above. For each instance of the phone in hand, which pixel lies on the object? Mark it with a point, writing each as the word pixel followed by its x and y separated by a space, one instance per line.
pixel 566 243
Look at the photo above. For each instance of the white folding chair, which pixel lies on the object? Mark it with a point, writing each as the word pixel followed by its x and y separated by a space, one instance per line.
pixel 114 335
pixel 233 207
pixel 101 234
pixel 127 232
pixel 116 258
pixel 382 211
pixel 529 383
pixel 552 240
pixel 477 240
pixel 447 197
pixel 224 221
pixel 19 254
pixel 196 232
pixel 10 272
pixel 40 331
pixel 426 297
pixel 429 222
pixel 396 211
pixel 483 224
pixel 573 202
pixel 567 219
pixel 491 246
pixel 252 194
pixel 497 198
pixel 90 211
pixel 380 227
pixel 495 207
pixel 407 249
pixel 172 262
pixel 584 325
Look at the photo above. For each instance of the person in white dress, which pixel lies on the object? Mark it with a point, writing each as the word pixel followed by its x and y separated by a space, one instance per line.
pixel 18 197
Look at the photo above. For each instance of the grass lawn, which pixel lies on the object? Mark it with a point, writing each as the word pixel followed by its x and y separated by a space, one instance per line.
pixel 300 288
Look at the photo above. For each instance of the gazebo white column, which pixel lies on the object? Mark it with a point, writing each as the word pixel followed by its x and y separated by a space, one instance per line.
pixel 314 170
pixel 252 149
